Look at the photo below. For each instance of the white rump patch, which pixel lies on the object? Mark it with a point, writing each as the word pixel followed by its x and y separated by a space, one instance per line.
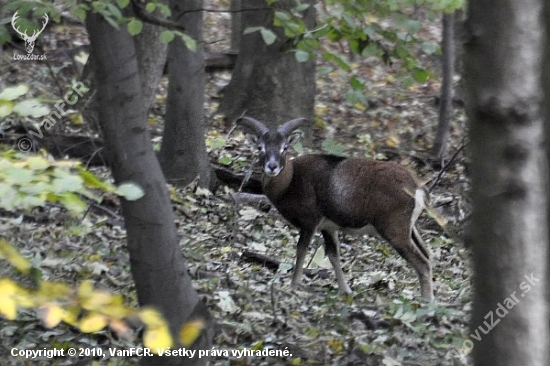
pixel 419 205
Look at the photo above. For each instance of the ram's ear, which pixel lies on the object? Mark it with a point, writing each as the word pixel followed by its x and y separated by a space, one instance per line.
pixel 293 138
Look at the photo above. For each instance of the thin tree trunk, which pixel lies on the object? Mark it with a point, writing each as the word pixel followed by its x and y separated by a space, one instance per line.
pixel 183 152
pixel 446 99
pixel 157 264
pixel 503 64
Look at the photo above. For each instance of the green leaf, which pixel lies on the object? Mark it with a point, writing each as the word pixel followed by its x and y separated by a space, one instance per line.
pixel 130 191
pixel 68 183
pixel 109 20
pixel 134 26
pixel 72 202
pixel 80 12
pixel 122 3
pixel 224 160
pixel 165 10
pixel 251 30
pixel 37 163
pixel 31 107
pixel 429 47
pixel 356 83
pixel 332 147
pixel 370 50
pixel 407 83
pixel 167 36
pixel 324 70
pixel 356 96
pixel 14 92
pixel 190 43
pixel 420 75
pixel 6 107
pixel 301 56
pixel 150 7
pixel 268 36
pixel 16 175
pixel 340 61
pixel 92 181
pixel 215 143
pixel 281 16
pixel 413 26
pixel 115 11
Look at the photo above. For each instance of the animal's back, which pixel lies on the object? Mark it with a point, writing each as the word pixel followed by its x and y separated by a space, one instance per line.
pixel 357 192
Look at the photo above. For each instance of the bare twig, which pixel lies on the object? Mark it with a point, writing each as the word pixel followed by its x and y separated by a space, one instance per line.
pixel 446 166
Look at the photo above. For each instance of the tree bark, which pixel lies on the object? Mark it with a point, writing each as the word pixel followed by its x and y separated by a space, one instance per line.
pixel 183 154
pixel 157 265
pixel 446 100
pixel 151 54
pixel 236 25
pixel 503 64
pixel 268 83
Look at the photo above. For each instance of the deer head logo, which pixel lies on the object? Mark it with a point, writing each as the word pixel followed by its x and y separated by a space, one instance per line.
pixel 29 40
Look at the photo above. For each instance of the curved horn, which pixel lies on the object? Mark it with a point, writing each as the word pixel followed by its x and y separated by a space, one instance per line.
pixel 257 127
pixel 286 128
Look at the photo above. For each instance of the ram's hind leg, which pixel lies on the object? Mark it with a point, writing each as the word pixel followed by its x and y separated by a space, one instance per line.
pixel 410 246
pixel 332 249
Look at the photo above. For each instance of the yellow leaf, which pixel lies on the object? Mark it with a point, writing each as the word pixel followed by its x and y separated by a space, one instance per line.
pixel 8 307
pixel 85 289
pixel 296 362
pixel 116 308
pixel 152 318
pixel 191 331
pixel 51 314
pixel 336 346
pixel 157 338
pixel 93 322
pixel 392 141
pixel 76 118
pixel 93 299
pixel 8 288
pixel 258 346
pixel 12 255
pixel 70 316
pixel 52 290
pixel 24 299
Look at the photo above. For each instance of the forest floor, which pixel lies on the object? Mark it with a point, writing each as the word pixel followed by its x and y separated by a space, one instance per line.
pixel 383 323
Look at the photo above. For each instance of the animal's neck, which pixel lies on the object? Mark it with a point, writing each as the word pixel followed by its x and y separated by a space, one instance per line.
pixel 275 187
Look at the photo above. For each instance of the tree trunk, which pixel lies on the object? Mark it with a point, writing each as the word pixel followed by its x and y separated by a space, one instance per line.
pixel 446 99
pixel 236 25
pixel 268 83
pixel 151 55
pixel 183 154
pixel 158 267
pixel 503 65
